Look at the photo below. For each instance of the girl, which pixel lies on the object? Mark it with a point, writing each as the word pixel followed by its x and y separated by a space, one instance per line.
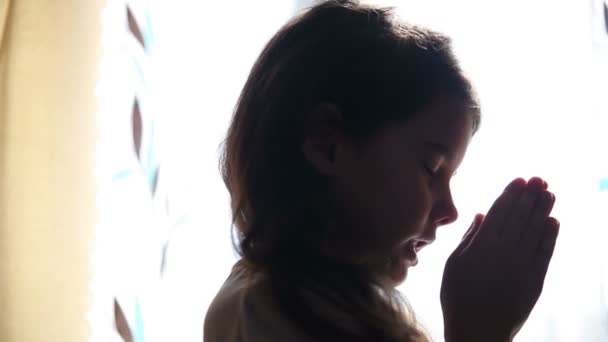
pixel 338 161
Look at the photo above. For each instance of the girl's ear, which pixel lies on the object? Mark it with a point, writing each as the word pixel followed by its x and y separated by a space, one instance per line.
pixel 322 133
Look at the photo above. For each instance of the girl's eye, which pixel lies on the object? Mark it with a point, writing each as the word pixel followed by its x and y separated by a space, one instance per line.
pixel 432 164
pixel 431 171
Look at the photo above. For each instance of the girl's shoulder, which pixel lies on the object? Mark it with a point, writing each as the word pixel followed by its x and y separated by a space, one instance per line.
pixel 244 310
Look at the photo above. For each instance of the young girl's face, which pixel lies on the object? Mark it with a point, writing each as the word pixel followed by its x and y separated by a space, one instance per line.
pixel 393 190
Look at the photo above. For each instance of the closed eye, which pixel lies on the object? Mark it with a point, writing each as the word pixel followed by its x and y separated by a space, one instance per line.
pixel 432 172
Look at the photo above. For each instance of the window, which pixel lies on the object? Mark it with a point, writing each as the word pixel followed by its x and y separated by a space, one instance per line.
pixel 164 243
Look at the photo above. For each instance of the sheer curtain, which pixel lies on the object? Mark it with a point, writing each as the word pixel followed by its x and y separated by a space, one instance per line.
pixel 538 70
pixel 205 51
pixel 165 96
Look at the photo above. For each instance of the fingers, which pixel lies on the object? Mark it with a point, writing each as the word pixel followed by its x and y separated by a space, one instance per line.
pixel 495 219
pixel 546 245
pixel 536 225
pixel 470 233
pixel 469 236
pixel 523 209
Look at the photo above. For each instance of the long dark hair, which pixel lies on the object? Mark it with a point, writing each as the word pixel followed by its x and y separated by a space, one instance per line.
pixel 375 70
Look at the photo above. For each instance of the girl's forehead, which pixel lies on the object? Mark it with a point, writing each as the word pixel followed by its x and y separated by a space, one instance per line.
pixel 443 120
pixel 446 127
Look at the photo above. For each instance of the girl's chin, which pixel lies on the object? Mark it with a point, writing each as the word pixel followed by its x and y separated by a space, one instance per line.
pixel 398 272
pixel 399 265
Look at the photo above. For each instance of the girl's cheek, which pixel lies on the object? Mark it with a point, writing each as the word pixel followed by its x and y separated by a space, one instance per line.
pixel 416 216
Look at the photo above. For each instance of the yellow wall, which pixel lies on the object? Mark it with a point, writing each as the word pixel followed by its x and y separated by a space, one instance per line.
pixel 48 65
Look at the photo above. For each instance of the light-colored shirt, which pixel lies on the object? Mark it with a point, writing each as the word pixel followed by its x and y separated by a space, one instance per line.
pixel 244 311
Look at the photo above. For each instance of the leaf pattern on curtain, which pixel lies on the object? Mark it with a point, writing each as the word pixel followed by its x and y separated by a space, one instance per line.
pixel 130 323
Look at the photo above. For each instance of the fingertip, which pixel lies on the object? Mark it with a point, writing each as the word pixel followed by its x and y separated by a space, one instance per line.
pixel 551 229
pixel 543 183
pixel 537 182
pixel 548 198
pixel 552 222
pixel 557 225
pixel 550 202
pixel 517 183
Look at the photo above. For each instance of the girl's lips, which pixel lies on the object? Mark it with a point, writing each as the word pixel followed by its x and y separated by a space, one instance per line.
pixel 421 243
pixel 406 256
pixel 411 255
